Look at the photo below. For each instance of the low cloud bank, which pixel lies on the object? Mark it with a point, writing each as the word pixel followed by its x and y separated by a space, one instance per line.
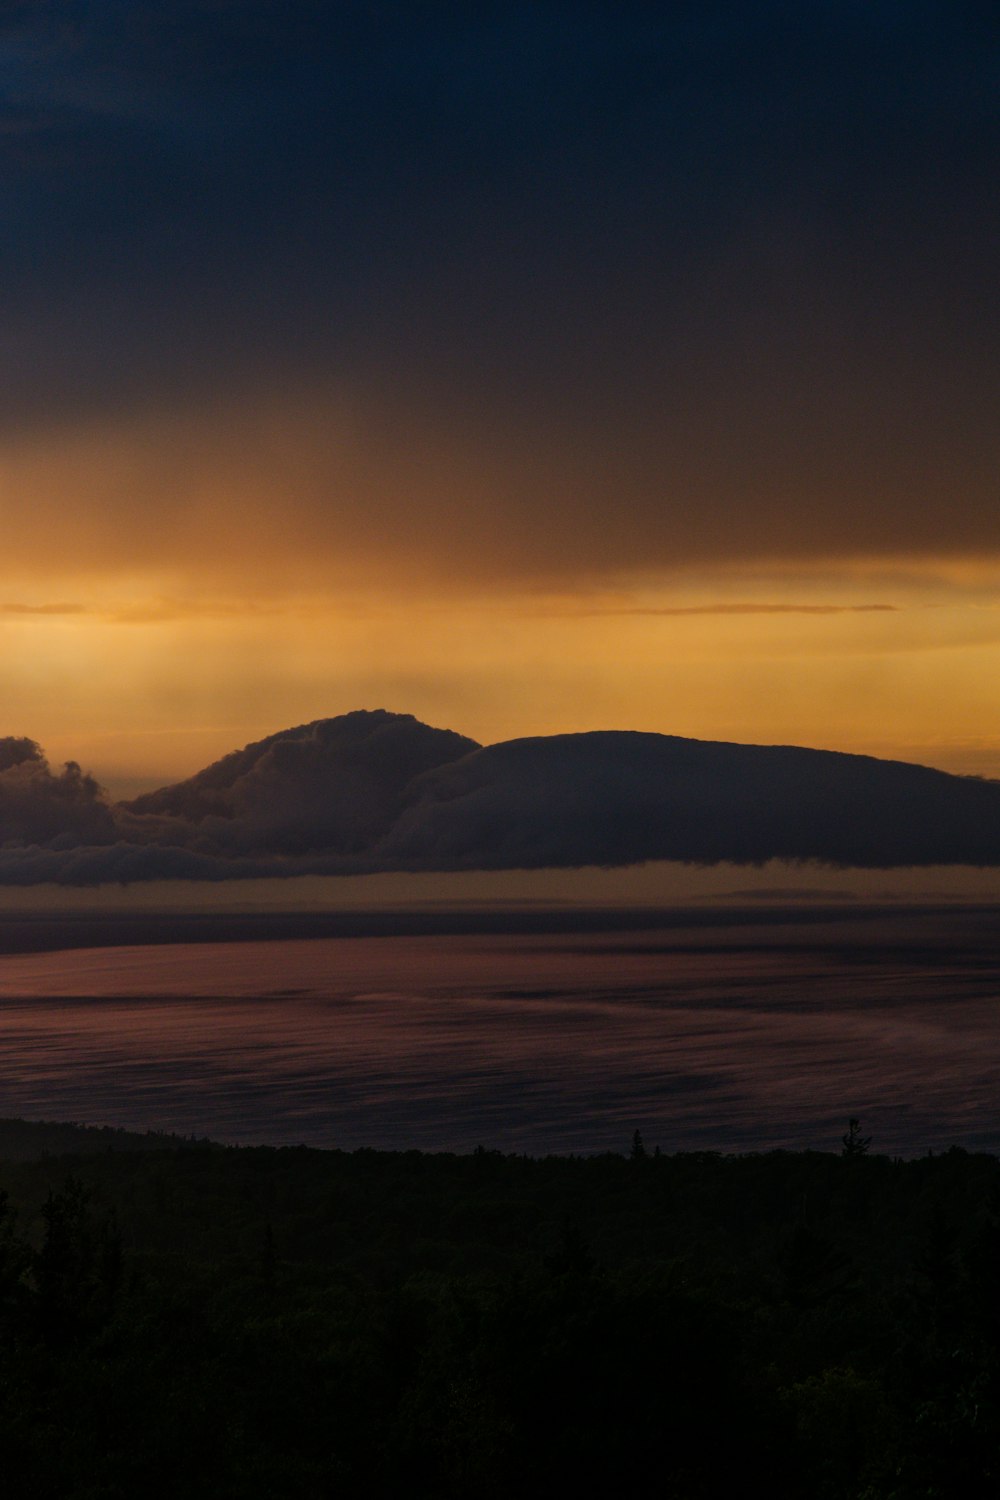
pixel 375 792
pixel 37 807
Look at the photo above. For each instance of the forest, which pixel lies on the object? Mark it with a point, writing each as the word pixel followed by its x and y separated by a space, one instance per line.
pixel 183 1319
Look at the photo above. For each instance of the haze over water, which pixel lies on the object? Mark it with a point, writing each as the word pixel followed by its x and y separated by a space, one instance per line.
pixel 735 1031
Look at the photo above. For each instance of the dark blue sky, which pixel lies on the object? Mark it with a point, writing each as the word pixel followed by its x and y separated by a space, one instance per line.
pixel 740 253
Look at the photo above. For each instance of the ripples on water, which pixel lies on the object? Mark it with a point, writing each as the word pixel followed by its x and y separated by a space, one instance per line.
pixel 727 1037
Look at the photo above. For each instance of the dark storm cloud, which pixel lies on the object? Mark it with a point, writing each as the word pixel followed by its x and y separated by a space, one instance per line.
pixel 377 792
pixel 728 268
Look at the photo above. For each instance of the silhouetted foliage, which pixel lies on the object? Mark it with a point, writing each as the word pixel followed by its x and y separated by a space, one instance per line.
pixel 855 1144
pixel 260 1323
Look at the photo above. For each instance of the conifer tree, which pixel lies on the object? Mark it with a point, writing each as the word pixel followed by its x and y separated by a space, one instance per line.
pixel 855 1144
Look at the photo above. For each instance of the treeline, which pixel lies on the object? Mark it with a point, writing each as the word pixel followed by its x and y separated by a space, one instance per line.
pixel 295 1323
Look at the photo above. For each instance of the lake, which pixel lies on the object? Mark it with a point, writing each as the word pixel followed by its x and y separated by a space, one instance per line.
pixel 727 1031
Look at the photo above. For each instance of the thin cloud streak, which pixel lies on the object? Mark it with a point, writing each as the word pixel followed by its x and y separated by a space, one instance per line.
pixel 152 611
pixel 44 609
pixel 734 609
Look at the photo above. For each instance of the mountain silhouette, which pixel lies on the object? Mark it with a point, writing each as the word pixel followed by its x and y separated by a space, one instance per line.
pixel 376 791
pixel 613 798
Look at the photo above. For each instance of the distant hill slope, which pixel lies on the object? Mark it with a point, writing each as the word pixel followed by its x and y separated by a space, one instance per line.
pixel 30 1140
pixel 376 791
pixel 612 798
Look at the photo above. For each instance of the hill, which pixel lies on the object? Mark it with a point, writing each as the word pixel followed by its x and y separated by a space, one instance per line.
pixel 375 791
pixel 32 1140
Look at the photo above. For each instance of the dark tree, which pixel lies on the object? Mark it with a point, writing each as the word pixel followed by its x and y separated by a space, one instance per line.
pixel 855 1144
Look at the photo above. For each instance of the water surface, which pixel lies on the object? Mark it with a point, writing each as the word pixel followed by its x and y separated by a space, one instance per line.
pixel 729 1035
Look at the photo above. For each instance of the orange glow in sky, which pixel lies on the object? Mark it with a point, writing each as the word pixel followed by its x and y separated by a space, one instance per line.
pixel 475 369
pixel 142 683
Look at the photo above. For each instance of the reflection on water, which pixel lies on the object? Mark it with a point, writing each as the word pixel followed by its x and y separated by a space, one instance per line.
pixel 730 1037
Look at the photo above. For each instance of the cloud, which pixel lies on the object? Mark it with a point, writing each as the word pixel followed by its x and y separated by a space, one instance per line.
pixel 43 609
pixel 19 752
pixel 117 863
pixel 152 611
pixel 736 609
pixel 702 270
pixel 336 786
pixel 36 807
pixel 376 792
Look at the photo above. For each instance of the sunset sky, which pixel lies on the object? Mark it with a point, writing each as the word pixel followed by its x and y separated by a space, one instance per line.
pixel 523 367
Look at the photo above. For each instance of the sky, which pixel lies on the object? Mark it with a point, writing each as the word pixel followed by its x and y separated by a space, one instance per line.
pixel 528 368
